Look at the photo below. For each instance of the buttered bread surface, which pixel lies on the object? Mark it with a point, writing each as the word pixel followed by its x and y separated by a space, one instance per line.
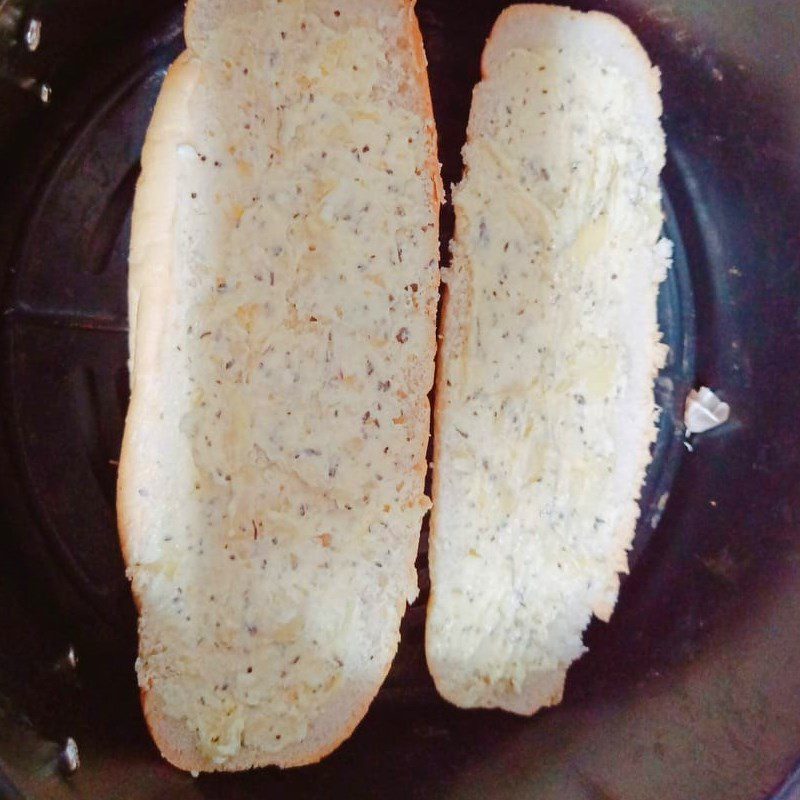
pixel 282 294
pixel 545 408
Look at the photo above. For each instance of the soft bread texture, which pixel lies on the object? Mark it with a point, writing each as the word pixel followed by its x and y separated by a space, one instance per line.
pixel 283 287
pixel 545 410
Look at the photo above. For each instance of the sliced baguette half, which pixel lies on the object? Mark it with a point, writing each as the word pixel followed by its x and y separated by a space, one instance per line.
pixel 545 410
pixel 283 288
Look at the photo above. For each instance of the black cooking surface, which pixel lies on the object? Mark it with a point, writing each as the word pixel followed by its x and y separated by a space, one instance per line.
pixel 693 686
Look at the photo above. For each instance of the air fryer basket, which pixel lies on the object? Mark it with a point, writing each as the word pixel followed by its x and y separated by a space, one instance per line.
pixel 692 690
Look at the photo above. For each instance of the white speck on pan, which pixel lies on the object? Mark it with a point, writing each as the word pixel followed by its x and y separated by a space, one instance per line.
pixel 704 411
pixel 69 760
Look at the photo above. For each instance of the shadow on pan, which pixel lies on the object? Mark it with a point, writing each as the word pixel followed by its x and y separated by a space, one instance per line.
pixel 691 691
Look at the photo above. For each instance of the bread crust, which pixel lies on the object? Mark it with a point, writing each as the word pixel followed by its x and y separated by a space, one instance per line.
pixel 149 262
pixel 529 26
pixel 150 266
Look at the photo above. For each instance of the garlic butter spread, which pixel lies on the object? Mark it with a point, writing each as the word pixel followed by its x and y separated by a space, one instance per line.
pixel 300 327
pixel 547 406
